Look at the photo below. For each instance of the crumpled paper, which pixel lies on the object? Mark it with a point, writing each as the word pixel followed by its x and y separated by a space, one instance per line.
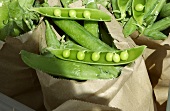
pixel 157 60
pixel 19 81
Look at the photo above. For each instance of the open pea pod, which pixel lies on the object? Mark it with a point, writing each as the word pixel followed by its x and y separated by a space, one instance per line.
pixel 98 58
pixel 138 10
pixel 68 69
pixel 73 13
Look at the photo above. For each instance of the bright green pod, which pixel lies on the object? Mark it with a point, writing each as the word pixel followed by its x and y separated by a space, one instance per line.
pixel 92 26
pixel 154 34
pixel 95 14
pixel 130 27
pixel 149 7
pixel 161 24
pixel 99 57
pixel 68 69
pixel 86 39
pixel 138 15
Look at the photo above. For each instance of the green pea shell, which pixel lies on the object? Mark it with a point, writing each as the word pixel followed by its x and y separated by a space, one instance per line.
pixel 133 54
pixel 138 15
pixel 95 14
pixel 68 69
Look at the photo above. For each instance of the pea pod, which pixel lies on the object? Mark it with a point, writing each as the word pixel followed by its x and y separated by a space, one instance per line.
pixel 161 24
pixel 153 15
pixel 81 13
pixel 154 34
pixel 92 26
pixel 51 37
pixel 149 7
pixel 138 15
pixel 79 34
pixel 129 27
pixel 123 7
pixel 165 11
pixel 67 69
pixel 99 57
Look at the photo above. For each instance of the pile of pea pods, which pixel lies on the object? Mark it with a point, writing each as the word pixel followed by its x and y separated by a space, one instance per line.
pixel 149 17
pixel 15 19
pixel 85 51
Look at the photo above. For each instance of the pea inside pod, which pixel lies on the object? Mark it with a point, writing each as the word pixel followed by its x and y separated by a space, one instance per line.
pixel 73 13
pixel 99 58
pixel 138 12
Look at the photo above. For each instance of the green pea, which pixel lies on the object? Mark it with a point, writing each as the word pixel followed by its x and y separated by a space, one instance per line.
pixel 66 53
pixel 109 56
pixel 86 14
pixel 57 12
pixel 124 55
pixel 116 57
pixel 139 7
pixel 80 55
pixel 72 13
pixel 95 56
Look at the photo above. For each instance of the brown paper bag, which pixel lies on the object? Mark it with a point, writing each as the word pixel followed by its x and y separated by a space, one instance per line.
pixel 74 105
pixel 18 81
pixel 131 91
pixel 157 59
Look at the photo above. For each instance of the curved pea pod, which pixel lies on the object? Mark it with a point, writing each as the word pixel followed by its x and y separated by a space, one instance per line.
pixel 79 13
pixel 129 27
pixel 154 34
pixel 79 34
pixel 123 7
pixel 100 59
pixel 138 15
pixel 67 69
pixel 161 24
pixel 165 11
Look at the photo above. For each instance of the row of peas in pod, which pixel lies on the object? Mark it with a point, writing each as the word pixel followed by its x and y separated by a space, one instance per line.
pixel 145 16
pixel 82 52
